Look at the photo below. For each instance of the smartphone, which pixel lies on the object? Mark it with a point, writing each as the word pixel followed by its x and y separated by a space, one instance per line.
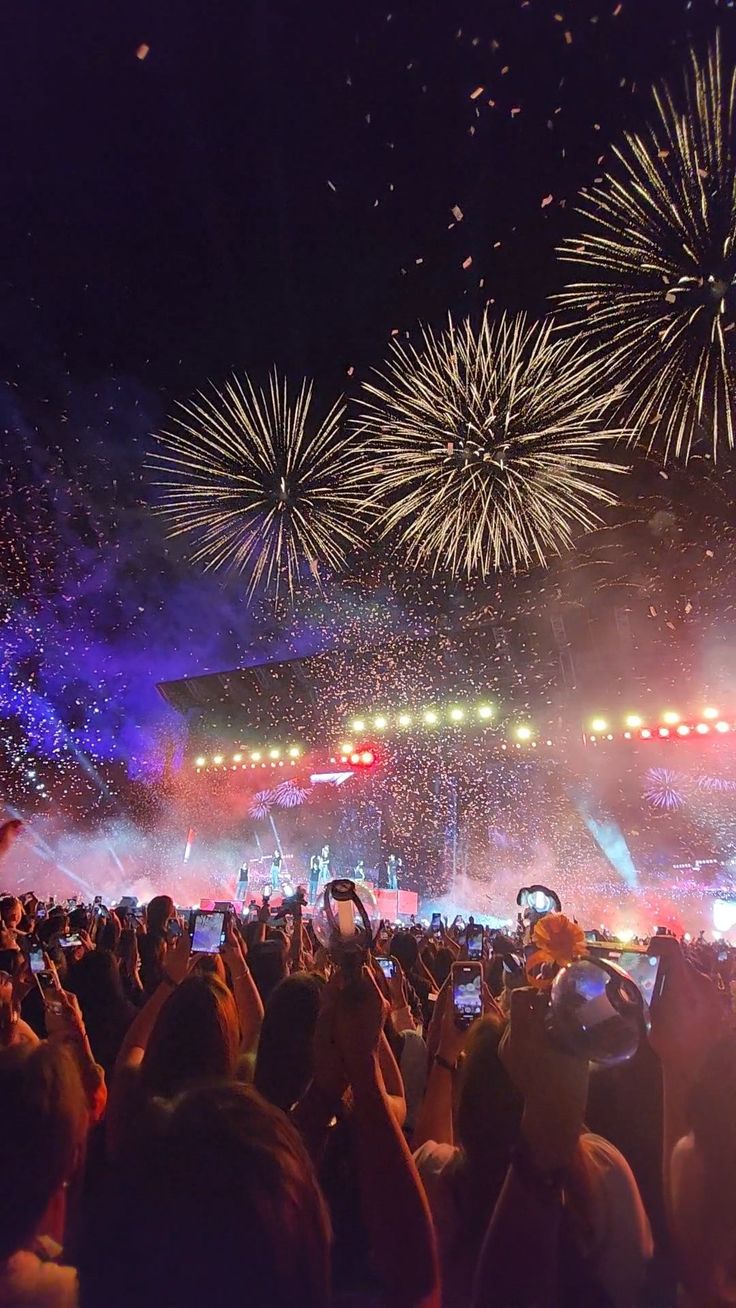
pixel 69 942
pixel 266 894
pixel 208 933
pixel 474 941
pixel 45 980
pixel 36 959
pixel 173 929
pixel 643 968
pixel 436 924
pixel 467 993
pixel 387 966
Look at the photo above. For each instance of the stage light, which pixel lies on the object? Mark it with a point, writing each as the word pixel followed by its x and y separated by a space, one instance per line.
pixel 404 720
pixel 523 733
pixel 346 749
pixel 682 730
pixel 592 739
pixel 355 758
pixel 633 720
pixel 722 727
pixel 710 713
pixel 217 759
pixel 256 756
pixel 670 717
pixel 274 753
pixel 200 761
pixel 380 723
pixel 430 717
pixel 367 757
pixel 702 728
pixel 625 936
pixel 456 715
pixel 485 711
pixel 663 732
pixel 627 735
pixel 294 752
pixel 599 724
pixel 645 733
pixel 359 725
pixel 237 758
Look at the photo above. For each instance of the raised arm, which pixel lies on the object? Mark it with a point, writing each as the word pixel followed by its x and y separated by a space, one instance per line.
pixel 247 999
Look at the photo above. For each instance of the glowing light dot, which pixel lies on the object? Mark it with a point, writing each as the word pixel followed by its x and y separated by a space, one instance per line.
pixel 710 714
pixel 485 711
pixel 200 761
pixel 256 756
pixel 663 732
pixel 722 727
pixel 294 752
pixel 682 730
pixel 702 728
pixel 358 725
pixel 599 724
pixel 346 749
pixel 142 51
pixel 380 723
pixel 237 758
pixel 217 760
pixel 645 734
pixel 430 718
pixel 633 720
pixel 627 735
pixel 404 720
pixel 456 715
pixel 670 718
pixel 523 733
pixel 274 753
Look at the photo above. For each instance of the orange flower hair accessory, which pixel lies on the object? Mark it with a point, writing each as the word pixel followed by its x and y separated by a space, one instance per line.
pixel 559 941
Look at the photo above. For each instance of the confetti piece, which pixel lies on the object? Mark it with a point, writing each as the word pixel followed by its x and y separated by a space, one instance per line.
pixel 547 200
pixel 143 51
pixel 568 38
pixel 516 110
pixel 477 92
pixel 331 185
pixel 617 10
pixel 467 262
pixel 457 212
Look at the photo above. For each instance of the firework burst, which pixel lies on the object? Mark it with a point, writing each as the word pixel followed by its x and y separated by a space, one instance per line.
pixel 658 264
pixel 486 445
pixel 664 788
pixel 258 488
pixel 288 794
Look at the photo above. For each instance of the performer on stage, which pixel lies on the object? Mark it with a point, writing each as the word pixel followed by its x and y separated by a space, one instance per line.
pixel 241 886
pixel 276 870
pixel 313 878
pixel 394 870
pixel 325 871
pixel 359 870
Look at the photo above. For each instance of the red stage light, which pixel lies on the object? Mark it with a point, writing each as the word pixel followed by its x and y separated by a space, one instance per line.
pixel 683 730
pixel 367 757
pixel 663 731
pixel 355 758
pixel 702 728
pixel 645 734
pixel 363 757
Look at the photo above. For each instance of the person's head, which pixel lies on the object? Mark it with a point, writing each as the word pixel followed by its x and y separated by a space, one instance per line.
pixel 284 1064
pixel 80 919
pixel 441 965
pixel 405 950
pixel 159 912
pixel 221 1174
pixel 44 1122
pixel 195 1038
pixel 488 1107
pixel 268 964
pixel 11 911
pixel 95 980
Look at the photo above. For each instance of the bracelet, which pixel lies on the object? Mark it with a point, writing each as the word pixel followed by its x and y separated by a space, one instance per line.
pixel 442 1062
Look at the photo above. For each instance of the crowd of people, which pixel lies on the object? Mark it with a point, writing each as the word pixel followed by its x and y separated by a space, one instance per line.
pixel 266 1125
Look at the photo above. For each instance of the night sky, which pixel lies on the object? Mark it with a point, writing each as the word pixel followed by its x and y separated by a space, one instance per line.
pixel 271 182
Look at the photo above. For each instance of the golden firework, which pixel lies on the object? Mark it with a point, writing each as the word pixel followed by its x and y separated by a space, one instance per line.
pixel 258 487
pixel 658 263
pixel 486 444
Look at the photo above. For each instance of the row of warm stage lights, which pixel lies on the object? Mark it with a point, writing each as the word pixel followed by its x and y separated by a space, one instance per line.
pixel 251 758
pixel 671 724
pixel 456 717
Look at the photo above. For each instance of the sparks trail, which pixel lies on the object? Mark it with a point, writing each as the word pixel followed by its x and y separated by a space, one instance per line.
pixel 257 487
pixel 487 445
pixel 658 264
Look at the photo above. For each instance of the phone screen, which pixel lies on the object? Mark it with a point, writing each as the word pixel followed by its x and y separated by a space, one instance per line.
pixel 36 960
pixel 387 966
pixel 642 968
pixel 436 923
pixel 69 942
pixel 46 980
pixel 474 942
pixel 207 935
pixel 467 992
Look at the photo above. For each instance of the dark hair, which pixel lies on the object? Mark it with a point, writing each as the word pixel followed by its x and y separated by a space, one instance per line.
pixel 79 919
pixel 195 1038
pixel 44 1120
pixel 405 950
pixel 711 1116
pixel 95 980
pixel 160 909
pixel 221 1173
pixel 284 1063
pixel 8 905
pixel 267 962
